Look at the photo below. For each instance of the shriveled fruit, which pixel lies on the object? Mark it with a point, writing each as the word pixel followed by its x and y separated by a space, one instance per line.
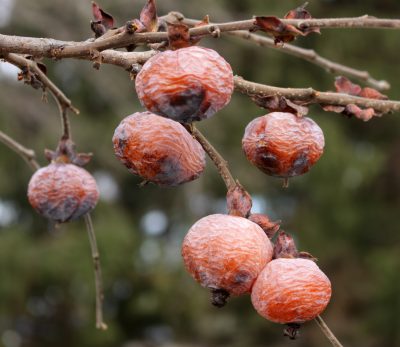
pixel 291 291
pixel 226 253
pixel 282 144
pixel 159 150
pixel 186 85
pixel 62 192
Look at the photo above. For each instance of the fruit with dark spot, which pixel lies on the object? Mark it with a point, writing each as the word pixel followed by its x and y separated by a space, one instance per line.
pixel 282 144
pixel 158 149
pixel 291 291
pixel 62 192
pixel 186 85
pixel 226 253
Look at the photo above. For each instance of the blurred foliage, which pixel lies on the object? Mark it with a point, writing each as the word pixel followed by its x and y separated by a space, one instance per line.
pixel 344 211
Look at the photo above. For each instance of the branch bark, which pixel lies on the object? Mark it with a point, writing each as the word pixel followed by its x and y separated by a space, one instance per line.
pixel 311 96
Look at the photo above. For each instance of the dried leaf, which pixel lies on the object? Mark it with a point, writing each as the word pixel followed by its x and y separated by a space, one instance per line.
pixel 333 108
pixel 103 20
pixel 178 35
pixel 372 94
pixel 363 114
pixel 276 103
pixel 274 26
pixel 301 13
pixel 344 85
pixel 148 16
pixel 238 201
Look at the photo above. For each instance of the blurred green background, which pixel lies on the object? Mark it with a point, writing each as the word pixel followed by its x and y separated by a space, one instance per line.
pixel 345 211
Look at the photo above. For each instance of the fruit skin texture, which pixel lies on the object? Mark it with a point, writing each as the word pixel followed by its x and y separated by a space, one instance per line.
pixel 62 192
pixel 226 252
pixel 159 150
pixel 282 144
pixel 291 291
pixel 186 85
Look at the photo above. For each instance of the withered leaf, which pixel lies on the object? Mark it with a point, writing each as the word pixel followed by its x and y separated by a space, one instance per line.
pixel 333 108
pixel 344 85
pixel 274 26
pixel 103 20
pixel 178 35
pixel 276 103
pixel 148 16
pixel 363 114
pixel 301 13
pixel 372 94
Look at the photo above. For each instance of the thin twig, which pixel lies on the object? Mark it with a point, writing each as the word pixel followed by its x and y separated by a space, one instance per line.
pixel 27 154
pixel 328 333
pixel 220 163
pixel 97 273
pixel 311 96
pixel 62 101
pixel 307 54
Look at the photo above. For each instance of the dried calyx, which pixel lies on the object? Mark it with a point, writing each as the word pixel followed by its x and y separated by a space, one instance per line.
pixel 65 153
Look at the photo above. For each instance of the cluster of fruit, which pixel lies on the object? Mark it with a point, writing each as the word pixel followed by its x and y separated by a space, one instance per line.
pixel 229 254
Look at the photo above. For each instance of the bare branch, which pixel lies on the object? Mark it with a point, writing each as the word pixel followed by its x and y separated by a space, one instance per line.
pixel 311 96
pixel 62 101
pixel 328 333
pixel 27 154
pixel 306 54
pixel 220 163
pixel 122 38
pixel 97 273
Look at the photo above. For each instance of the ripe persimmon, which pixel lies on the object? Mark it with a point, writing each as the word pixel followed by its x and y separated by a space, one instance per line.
pixel 158 149
pixel 226 253
pixel 282 144
pixel 186 85
pixel 62 192
pixel 291 290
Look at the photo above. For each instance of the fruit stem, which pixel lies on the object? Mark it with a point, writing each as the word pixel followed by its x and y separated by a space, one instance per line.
pixel 97 273
pixel 27 154
pixel 328 333
pixel 218 160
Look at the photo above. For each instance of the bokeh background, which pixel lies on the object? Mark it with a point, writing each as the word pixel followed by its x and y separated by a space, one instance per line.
pixel 345 211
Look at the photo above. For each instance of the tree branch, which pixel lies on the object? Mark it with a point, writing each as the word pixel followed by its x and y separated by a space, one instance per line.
pixel 307 54
pixel 62 101
pixel 67 49
pixel 27 154
pixel 311 96
pixel 97 273
pixel 220 163
pixel 328 333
